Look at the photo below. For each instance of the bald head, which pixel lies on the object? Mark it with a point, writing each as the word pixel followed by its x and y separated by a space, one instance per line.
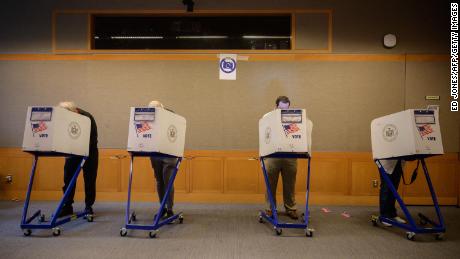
pixel 155 104
pixel 69 105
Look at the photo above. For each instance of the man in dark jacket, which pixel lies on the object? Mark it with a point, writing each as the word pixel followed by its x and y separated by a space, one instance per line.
pixel 89 168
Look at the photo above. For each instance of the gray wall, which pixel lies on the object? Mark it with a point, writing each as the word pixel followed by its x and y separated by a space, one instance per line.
pixel 341 97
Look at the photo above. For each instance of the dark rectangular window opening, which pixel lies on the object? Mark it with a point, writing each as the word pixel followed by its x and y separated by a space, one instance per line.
pixel 145 32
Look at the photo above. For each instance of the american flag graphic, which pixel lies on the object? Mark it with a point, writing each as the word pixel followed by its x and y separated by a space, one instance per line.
pixel 424 130
pixel 141 127
pixel 37 127
pixel 290 128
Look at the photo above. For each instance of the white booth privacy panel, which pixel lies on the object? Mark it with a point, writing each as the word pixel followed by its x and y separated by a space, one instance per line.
pixel 156 130
pixel 285 131
pixel 406 133
pixel 55 129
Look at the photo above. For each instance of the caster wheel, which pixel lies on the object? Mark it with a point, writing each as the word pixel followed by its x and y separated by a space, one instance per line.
pixel 410 236
pixel 56 232
pixel 278 231
pixel 153 234
pixel 439 236
pixel 123 232
pixel 41 218
pixel 309 232
pixel 261 219
pixel 90 218
pixel 374 220
pixel 181 219
pixel 27 232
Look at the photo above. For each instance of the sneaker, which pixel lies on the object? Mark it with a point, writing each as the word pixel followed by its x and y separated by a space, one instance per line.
pixel 167 215
pixel 89 210
pixel 66 211
pixel 400 220
pixel 386 224
pixel 292 214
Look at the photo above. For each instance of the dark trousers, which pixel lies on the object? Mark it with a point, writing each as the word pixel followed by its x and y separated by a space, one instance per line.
pixel 387 199
pixel 89 174
pixel 163 169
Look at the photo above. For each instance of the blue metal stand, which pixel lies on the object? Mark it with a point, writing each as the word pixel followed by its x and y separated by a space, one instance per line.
pixel 26 223
pixel 157 221
pixel 412 228
pixel 273 219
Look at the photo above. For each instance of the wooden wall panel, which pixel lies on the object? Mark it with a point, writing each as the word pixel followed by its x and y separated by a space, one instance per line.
pixel 50 174
pixel 17 166
pixel 241 175
pixel 301 179
pixel 206 174
pixel 181 184
pixel 109 180
pixel 143 175
pixel 231 176
pixel 443 176
pixel 363 174
pixel 329 176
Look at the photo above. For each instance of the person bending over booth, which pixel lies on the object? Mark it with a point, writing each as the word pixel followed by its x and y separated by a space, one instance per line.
pixel 387 201
pixel 163 168
pixel 89 168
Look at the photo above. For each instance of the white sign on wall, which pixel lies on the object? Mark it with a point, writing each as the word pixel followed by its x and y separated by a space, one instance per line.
pixel 227 67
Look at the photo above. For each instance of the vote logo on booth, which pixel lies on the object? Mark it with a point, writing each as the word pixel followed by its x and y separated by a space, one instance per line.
pixel 172 133
pixel 390 132
pixel 74 130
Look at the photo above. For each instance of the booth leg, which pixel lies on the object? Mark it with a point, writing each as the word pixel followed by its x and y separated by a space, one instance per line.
pixel 433 195
pixel 128 218
pixel 411 227
pixel 29 190
pixel 72 184
pixel 157 223
pixel 54 222
pixel 308 231
pixel 274 217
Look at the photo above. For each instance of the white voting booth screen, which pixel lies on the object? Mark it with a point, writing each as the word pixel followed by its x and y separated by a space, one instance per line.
pixel 156 130
pixel 407 133
pixel 55 129
pixel 285 131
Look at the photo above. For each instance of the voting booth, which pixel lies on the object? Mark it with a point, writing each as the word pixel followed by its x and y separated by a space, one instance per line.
pixel 54 131
pixel 413 134
pixel 158 133
pixel 156 130
pixel 285 133
pixel 405 134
